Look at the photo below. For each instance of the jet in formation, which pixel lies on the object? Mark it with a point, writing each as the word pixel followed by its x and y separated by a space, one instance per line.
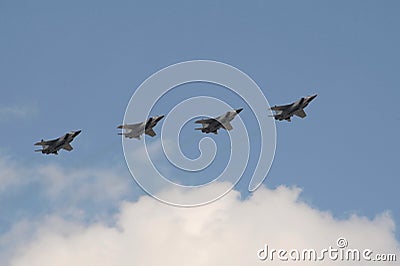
pixel 53 146
pixel 285 112
pixel 211 125
pixel 137 130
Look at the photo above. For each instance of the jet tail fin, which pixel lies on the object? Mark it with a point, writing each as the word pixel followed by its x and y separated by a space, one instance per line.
pixel 39 143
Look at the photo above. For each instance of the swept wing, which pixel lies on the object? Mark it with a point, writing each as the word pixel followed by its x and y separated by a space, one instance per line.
pixel 130 126
pixel 68 147
pixel 300 113
pixel 150 132
pixel 280 107
pixel 227 126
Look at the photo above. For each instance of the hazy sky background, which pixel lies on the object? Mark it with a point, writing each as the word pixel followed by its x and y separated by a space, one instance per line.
pixel 69 65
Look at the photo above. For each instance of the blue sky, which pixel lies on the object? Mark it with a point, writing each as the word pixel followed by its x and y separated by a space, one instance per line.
pixel 69 65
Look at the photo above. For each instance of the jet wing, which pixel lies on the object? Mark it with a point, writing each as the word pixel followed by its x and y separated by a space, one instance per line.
pixel 280 107
pixel 205 121
pixel 150 132
pixel 131 126
pixel 68 147
pixel 46 142
pixel 227 126
pixel 301 113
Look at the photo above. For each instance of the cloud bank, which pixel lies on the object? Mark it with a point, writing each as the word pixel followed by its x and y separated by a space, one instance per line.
pixel 229 231
pixel 16 111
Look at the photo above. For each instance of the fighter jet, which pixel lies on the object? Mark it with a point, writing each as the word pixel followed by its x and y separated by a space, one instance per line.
pixel 211 125
pixel 136 130
pixel 53 146
pixel 285 112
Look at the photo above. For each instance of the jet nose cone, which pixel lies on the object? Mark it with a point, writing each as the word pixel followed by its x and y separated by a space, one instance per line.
pixel 313 97
pixel 158 118
pixel 238 110
pixel 76 133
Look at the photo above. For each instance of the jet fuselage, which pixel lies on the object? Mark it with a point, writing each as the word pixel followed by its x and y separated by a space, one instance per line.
pixel 58 144
pixel 294 108
pixel 222 121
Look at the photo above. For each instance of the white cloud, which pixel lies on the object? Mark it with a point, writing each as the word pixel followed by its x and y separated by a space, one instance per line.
pixel 83 184
pixel 146 232
pixel 226 232
pixel 58 182
pixel 8 173
pixel 17 111
pixel 12 174
pixel 84 194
